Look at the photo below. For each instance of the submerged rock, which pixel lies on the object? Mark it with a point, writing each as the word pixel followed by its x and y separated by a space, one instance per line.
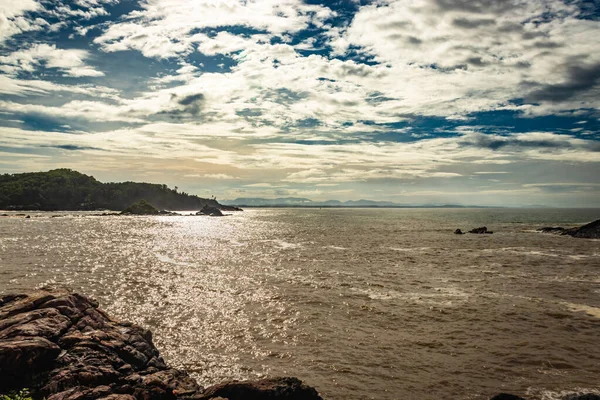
pixel 550 229
pixel 141 207
pixel 505 396
pixel 480 230
pixel 458 232
pixel 63 347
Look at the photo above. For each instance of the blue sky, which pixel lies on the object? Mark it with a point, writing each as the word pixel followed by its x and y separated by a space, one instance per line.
pixel 413 101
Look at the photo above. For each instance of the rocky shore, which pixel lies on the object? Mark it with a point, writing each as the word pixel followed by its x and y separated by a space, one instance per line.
pixel 588 231
pixel 61 346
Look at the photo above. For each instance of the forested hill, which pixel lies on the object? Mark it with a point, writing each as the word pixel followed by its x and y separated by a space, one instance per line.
pixel 65 189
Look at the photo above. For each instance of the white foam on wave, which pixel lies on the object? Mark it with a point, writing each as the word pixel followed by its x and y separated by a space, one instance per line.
pixel 335 247
pixel 282 244
pixel 593 311
pixel 558 395
pixel 407 249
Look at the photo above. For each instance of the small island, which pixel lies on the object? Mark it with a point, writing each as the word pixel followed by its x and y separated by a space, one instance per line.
pixel 68 190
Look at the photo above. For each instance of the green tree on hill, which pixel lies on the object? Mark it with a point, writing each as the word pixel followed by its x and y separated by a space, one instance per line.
pixel 65 189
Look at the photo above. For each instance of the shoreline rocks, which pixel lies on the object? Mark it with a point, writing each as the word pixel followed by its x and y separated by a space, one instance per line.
pixel 587 231
pixel 61 346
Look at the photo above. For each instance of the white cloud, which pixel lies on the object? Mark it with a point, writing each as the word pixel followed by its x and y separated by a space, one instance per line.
pixel 25 87
pixel 164 28
pixel 70 61
pixel 455 56
pixel 12 20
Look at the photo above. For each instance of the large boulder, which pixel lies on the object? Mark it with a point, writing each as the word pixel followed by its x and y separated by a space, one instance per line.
pixel 266 389
pixel 588 231
pixel 141 207
pixel 210 210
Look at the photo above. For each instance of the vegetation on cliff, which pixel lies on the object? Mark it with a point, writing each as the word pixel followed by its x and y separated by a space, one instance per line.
pixel 65 189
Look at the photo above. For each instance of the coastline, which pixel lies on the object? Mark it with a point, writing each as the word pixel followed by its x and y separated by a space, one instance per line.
pixel 61 346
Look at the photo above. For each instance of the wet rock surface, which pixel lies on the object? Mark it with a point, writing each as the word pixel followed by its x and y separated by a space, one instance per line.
pixel 588 231
pixel 63 347
pixel 209 210
pixel 481 230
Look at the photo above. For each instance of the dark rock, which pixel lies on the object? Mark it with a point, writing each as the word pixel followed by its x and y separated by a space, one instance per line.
pixel 210 210
pixel 63 347
pixel 141 207
pixel 505 396
pixel 229 208
pixel 266 389
pixel 22 358
pixel 27 217
pixel 582 396
pixel 480 230
pixel 588 231
pixel 458 232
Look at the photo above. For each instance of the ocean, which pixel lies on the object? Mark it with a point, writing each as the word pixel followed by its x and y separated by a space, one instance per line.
pixel 359 303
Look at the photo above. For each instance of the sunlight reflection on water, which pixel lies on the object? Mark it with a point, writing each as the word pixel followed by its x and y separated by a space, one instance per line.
pixel 360 303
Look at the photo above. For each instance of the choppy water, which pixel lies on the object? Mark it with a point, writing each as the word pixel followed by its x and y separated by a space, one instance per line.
pixel 360 303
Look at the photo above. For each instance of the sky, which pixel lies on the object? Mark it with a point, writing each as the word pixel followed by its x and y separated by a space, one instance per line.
pixel 481 102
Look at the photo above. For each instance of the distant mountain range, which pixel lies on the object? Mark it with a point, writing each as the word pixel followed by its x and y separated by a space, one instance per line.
pixel 302 202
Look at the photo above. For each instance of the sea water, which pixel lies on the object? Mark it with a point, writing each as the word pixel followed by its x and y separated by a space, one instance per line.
pixel 359 303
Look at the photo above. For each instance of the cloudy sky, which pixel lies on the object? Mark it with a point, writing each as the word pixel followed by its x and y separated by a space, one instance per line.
pixel 411 101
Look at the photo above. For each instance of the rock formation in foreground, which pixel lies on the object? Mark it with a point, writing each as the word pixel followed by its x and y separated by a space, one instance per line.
pixel 61 346
pixel 588 231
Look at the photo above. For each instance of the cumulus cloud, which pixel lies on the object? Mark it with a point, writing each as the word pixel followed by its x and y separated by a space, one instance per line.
pixel 165 28
pixel 12 19
pixel 70 61
pixel 274 91
pixel 478 55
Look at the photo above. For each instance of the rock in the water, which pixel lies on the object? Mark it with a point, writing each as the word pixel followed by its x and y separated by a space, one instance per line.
pixel 141 207
pixel 588 231
pixel 230 208
pixel 210 210
pixel 266 389
pixel 458 232
pixel 505 396
pixel 480 230
pixel 63 347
